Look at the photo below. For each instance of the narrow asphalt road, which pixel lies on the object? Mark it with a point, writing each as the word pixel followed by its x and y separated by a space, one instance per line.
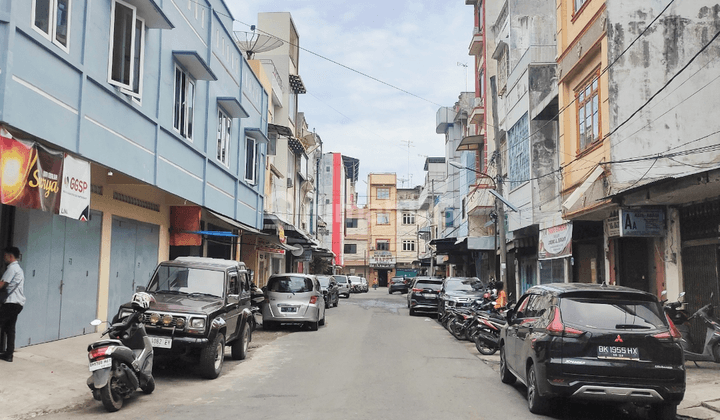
pixel 370 361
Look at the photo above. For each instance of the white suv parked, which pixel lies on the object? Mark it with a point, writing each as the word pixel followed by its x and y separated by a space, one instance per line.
pixel 344 285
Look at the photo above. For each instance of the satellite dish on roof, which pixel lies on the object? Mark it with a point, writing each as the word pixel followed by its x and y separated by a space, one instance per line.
pixel 253 42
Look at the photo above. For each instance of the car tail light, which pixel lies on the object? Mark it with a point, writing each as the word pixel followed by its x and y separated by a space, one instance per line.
pixel 557 327
pixel 672 335
pixel 313 300
pixel 417 290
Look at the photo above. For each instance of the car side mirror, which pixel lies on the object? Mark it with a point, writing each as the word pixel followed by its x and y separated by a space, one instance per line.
pixel 140 289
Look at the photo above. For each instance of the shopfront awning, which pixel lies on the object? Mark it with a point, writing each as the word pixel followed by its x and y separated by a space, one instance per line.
pixel 471 143
pixel 481 243
pixel 235 223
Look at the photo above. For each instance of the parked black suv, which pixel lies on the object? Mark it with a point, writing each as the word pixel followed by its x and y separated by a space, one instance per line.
pixel 330 290
pixel 200 305
pixel 398 284
pixel 423 296
pixel 593 342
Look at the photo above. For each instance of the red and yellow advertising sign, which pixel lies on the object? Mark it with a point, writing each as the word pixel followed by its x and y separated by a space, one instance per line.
pixel 31 176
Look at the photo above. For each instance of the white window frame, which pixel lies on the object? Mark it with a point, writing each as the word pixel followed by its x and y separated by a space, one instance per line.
pixel 251 160
pixel 138 49
pixel 408 245
pixel 383 197
pixel 185 123
pixel 408 219
pixel 51 35
pixel 224 134
pixel 384 242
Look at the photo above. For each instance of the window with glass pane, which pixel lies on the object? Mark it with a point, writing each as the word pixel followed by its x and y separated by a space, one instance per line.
pixel 52 19
pixel 383 193
pixel 449 220
pixel 579 4
pixel 127 49
pixel 184 103
pixel 383 219
pixel 223 137
pixel 408 245
pixel 250 158
pixel 351 223
pixel 350 248
pixel 519 152
pixel 382 245
pixel 408 219
pixel 588 114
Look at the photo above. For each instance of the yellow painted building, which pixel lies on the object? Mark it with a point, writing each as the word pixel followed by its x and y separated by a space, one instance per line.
pixel 382 226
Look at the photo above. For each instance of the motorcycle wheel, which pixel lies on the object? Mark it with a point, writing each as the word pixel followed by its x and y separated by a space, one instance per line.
pixel 456 329
pixel 149 386
pixel 111 399
pixel 483 348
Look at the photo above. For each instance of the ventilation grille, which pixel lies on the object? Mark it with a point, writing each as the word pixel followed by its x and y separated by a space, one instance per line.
pixel 136 202
pixel 96 189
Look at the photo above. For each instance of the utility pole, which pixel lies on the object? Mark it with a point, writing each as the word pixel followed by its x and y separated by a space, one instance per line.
pixel 499 186
pixel 432 230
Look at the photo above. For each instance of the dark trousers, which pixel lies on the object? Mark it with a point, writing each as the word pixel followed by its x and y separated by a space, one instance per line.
pixel 8 317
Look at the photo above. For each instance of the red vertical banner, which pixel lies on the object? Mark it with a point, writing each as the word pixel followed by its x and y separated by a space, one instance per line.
pixel 337 222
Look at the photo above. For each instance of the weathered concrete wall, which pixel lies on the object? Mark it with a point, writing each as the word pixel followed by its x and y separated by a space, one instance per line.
pixel 682 116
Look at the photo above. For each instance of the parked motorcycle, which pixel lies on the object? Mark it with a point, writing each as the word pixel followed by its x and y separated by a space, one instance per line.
pixel 711 348
pixel 124 362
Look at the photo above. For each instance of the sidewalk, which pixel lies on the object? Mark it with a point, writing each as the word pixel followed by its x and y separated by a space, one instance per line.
pixel 48 378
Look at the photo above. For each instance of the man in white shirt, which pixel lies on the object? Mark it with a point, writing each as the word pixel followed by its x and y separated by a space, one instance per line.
pixel 12 282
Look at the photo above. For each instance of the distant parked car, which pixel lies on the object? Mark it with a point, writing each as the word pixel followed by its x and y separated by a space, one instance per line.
pixel 330 291
pixel 459 292
pixel 343 283
pixel 365 286
pixel 293 298
pixel 593 342
pixel 423 296
pixel 356 284
pixel 398 284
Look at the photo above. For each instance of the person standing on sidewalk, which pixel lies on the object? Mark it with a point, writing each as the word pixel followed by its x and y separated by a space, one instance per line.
pixel 12 282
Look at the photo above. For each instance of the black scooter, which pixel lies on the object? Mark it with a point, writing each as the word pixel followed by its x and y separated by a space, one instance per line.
pixel 123 363
pixel 711 349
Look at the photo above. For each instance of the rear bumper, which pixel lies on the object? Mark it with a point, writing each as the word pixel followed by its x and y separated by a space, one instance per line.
pixel 670 389
pixel 424 306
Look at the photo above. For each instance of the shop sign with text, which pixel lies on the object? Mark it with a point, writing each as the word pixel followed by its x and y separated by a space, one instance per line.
pixel 641 222
pixel 555 242
pixel 35 177
pixel 382 259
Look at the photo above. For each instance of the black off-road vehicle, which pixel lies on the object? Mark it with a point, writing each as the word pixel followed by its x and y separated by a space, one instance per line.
pixel 201 304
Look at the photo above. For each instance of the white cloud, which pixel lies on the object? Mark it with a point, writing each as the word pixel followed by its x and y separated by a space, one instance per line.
pixel 414 45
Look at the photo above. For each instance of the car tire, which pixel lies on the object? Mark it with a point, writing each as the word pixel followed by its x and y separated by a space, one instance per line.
pixel 663 411
pixel 313 326
pixel 322 321
pixel 537 404
pixel 240 345
pixel 412 311
pixel 506 376
pixel 212 357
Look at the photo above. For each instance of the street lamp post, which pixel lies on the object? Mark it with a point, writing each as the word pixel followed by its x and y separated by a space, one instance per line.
pixel 497 192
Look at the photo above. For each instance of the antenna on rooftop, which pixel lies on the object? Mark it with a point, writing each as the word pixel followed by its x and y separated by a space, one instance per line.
pixel 253 42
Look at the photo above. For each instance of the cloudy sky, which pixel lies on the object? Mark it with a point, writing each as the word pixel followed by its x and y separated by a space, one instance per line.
pixel 412 45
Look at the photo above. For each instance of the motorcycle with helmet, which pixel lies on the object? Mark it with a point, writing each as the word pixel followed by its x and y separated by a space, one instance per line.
pixel 122 363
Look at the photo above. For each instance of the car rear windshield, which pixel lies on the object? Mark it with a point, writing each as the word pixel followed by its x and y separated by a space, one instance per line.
pixel 433 285
pixel 341 279
pixel 624 314
pixel 290 284
pixel 186 280
pixel 397 280
pixel 355 280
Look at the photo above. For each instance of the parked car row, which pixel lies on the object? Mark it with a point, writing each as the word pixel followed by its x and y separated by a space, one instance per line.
pixel 577 341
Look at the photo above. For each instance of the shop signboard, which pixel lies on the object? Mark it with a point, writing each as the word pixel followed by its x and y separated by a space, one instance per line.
pixel 641 222
pixel 555 242
pixel 35 177
pixel 613 226
pixel 382 259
